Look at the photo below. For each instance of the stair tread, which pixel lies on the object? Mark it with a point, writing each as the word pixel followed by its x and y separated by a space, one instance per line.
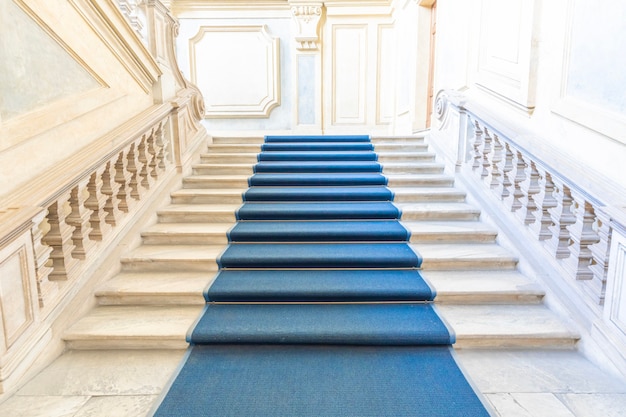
pixel 209 191
pixel 506 322
pixel 442 230
pixel 158 282
pixel 134 322
pixel 188 228
pixel 175 252
pixel 478 283
pixel 199 207
pixel 466 255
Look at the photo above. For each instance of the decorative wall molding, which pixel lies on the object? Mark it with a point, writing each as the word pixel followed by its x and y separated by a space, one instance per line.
pixel 306 17
pixel 506 51
pixel 237 69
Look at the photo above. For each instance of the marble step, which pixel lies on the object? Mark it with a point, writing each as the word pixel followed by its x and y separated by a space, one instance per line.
pixel 166 258
pixel 397 139
pixel 216 181
pixel 235 148
pixel 406 156
pixel 133 327
pixel 413 168
pixel 383 147
pixel 198 213
pixel 208 196
pixel 217 169
pixel 458 256
pixel 429 210
pixel 187 234
pixel 483 287
pixel 157 288
pixel 227 158
pixel 219 140
pixel 508 326
pixel 433 194
pixel 413 180
pixel 450 231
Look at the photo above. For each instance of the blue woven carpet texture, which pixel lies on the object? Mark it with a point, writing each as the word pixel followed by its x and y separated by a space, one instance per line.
pixel 319 307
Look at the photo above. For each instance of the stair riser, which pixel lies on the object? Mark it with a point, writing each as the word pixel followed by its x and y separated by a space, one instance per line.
pixel 191 182
pixel 185 239
pixel 458 264
pixel 413 169
pixel 405 157
pixel 151 299
pixel 235 148
pixel 383 139
pixel 223 170
pixel 139 343
pixel 207 199
pixel 235 140
pixel 439 215
pixel 514 341
pixel 459 237
pixel 432 197
pixel 421 182
pixel 161 265
pixel 482 298
pixel 216 158
pixel 197 217
pixel 399 147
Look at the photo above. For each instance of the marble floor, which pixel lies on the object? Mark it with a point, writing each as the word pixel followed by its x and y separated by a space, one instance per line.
pixel 125 383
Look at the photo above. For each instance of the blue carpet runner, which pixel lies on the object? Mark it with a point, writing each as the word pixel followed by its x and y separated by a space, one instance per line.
pixel 319 308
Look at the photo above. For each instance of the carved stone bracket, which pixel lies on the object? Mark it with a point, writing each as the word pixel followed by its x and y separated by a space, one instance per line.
pixel 307 18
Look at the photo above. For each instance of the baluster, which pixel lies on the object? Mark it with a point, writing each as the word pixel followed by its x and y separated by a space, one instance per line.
pixel 562 217
pixel 137 190
pixel 122 177
pixel 477 145
pixel 504 167
pixel 544 201
pixel 486 155
pixel 59 238
pixel 96 202
pixel 161 146
pixel 601 251
pixel 518 174
pixel 145 158
pixel 495 178
pixel 582 236
pixel 110 189
pixel 80 218
pixel 45 288
pixel 529 188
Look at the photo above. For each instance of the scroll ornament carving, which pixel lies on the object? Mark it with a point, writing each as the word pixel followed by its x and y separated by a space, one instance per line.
pixel 307 18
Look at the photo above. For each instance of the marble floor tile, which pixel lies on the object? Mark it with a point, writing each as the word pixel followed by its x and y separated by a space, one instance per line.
pixel 123 372
pixel 595 405
pixel 42 406
pixel 556 371
pixel 528 405
pixel 117 406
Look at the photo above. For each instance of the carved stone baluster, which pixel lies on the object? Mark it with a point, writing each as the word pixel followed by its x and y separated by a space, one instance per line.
pixel 162 146
pixel 122 177
pixel 153 152
pixel 505 166
pixel 477 145
pixel 96 202
pixel 495 177
pixel 59 238
pixel 487 149
pixel 45 288
pixel 601 250
pixel 530 187
pixel 562 217
pixel 518 174
pixel 545 202
pixel 145 158
pixel 80 218
pixel 110 188
pixel 582 236
pixel 137 190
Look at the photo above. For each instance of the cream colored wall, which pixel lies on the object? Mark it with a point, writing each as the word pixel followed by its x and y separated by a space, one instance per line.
pixel 549 69
pixel 114 75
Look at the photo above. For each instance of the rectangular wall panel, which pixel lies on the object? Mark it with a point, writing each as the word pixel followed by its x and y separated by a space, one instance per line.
pixel 385 76
pixel 349 74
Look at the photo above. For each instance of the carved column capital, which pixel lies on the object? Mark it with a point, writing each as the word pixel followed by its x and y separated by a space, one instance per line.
pixel 306 16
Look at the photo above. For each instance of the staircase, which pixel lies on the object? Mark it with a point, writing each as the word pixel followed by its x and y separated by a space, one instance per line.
pixel 144 312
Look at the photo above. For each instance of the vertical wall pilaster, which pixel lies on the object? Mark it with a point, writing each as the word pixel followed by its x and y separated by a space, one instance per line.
pixel 307 16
